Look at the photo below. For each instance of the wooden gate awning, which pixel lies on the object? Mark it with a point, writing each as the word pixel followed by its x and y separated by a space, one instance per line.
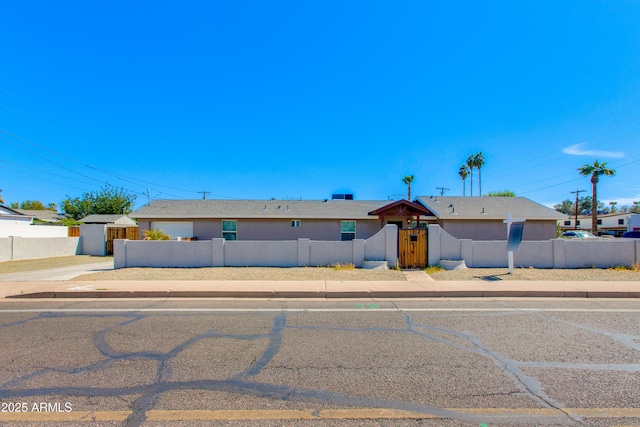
pixel 402 208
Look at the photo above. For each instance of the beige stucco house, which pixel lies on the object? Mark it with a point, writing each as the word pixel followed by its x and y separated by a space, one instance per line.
pixel 477 218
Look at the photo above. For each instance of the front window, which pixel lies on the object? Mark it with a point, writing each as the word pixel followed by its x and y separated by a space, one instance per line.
pixel 229 229
pixel 295 223
pixel 621 221
pixel 347 230
pixel 566 223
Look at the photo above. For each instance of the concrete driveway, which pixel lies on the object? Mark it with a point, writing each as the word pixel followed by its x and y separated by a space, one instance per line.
pixel 61 273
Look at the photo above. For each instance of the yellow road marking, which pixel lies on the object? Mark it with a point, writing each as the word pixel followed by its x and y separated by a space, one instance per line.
pixel 293 414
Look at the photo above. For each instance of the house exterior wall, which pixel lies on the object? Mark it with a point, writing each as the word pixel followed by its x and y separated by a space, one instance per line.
pixel 497 230
pixel 274 229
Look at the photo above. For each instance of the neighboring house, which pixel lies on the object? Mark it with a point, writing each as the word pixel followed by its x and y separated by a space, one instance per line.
pixel 12 216
pixel 614 224
pixel 481 218
pixel 42 214
pixel 109 219
pixel 275 219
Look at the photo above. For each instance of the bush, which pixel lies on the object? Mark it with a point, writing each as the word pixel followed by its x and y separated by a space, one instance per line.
pixel 155 234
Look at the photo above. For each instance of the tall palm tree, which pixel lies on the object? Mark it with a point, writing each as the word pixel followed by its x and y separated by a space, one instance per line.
pixel 613 207
pixel 408 180
pixel 595 170
pixel 471 163
pixel 1 199
pixel 464 173
pixel 478 160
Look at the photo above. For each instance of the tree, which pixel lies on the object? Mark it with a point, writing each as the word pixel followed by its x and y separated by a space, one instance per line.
pixel 478 159
pixel 1 199
pixel 635 208
pixel 408 180
pixel 108 200
pixel 595 171
pixel 32 205
pixel 464 173
pixel 566 207
pixel 502 193
pixel 471 163
pixel 613 207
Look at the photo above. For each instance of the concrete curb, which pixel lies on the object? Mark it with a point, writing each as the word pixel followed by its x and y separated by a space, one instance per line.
pixel 327 294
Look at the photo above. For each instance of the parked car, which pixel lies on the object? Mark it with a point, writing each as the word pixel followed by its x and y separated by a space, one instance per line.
pixel 579 235
pixel 632 234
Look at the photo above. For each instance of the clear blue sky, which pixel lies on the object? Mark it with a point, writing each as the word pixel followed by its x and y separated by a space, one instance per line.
pixel 290 99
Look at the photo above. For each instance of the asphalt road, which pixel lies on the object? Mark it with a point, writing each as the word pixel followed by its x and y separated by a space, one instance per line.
pixel 462 362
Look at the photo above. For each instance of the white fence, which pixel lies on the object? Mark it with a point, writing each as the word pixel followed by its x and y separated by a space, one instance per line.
pixel 11 228
pixel 557 253
pixel 21 248
pixel 239 253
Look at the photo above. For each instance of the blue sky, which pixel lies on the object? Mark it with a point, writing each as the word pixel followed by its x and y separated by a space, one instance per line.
pixel 302 99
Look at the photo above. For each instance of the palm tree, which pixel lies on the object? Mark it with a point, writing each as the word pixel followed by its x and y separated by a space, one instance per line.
pixel 613 207
pixel 408 180
pixel 1 199
pixel 471 163
pixel 595 170
pixel 464 173
pixel 478 160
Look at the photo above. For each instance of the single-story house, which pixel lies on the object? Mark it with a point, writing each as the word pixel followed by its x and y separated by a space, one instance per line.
pixel 276 219
pixel 109 219
pixel 477 218
pixel 481 218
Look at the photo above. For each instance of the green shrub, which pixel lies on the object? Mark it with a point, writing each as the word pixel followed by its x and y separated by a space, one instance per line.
pixel 155 234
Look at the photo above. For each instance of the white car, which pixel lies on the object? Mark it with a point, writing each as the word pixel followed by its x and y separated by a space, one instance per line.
pixel 579 235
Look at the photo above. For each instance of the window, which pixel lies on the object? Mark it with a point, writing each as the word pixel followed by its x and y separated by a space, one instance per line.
pixel 621 221
pixel 567 223
pixel 347 230
pixel 578 223
pixel 295 223
pixel 229 229
pixel 423 224
pixel 599 222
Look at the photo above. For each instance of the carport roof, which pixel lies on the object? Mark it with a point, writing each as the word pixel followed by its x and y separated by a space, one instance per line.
pixel 233 209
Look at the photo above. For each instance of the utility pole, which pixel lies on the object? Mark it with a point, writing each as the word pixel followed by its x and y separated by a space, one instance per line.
pixel 577 192
pixel 442 190
pixel 204 194
pixel 148 196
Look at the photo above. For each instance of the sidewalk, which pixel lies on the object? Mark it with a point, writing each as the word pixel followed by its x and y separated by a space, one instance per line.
pixel 316 289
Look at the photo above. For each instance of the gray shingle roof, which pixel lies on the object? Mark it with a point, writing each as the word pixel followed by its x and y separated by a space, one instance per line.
pixel 102 218
pixel 232 209
pixel 44 215
pixel 488 208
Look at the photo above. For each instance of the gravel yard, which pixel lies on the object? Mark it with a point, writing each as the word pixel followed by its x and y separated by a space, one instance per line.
pixel 244 273
pixel 495 274
pixel 313 273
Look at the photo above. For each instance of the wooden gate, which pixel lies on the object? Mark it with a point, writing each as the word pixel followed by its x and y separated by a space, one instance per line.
pixel 130 233
pixel 412 248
